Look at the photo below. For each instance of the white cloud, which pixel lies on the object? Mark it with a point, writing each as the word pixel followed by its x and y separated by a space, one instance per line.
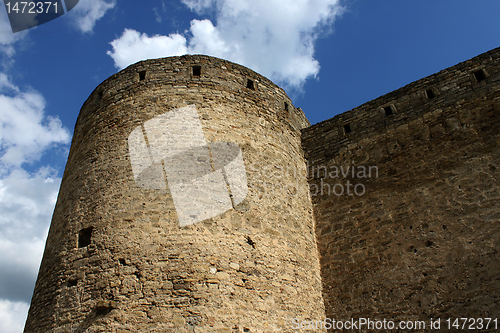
pixel 88 12
pixel 157 15
pixel 25 132
pixel 26 202
pixel 133 46
pixel 26 205
pixel 27 199
pixel 12 315
pixel 273 37
pixel 207 39
pixel 199 6
pixel 7 37
pixel 5 84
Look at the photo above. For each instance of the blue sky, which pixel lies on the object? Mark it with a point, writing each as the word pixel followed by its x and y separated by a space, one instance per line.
pixel 329 55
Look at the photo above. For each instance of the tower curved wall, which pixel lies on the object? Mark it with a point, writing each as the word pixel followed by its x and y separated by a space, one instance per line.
pixel 117 258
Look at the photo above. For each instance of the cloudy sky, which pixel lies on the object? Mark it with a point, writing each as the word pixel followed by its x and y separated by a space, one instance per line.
pixel 329 55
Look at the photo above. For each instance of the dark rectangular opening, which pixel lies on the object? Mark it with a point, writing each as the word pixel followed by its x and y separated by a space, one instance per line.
pixel 479 75
pixel 104 307
pixel 430 94
pixel 250 84
pixel 286 106
pixel 85 237
pixel 142 75
pixel 388 110
pixel 347 128
pixel 196 70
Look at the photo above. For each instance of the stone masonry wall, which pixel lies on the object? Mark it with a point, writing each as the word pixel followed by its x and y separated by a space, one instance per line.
pixel 116 259
pixel 415 234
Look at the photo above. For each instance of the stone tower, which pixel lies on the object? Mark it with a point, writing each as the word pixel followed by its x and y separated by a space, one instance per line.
pixel 184 207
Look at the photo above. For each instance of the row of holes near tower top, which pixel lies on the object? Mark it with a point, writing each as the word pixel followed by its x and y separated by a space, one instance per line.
pixel 196 72
pixel 389 110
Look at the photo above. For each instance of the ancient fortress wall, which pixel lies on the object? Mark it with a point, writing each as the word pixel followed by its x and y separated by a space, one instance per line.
pixel 399 196
pixel 116 257
pixel 418 237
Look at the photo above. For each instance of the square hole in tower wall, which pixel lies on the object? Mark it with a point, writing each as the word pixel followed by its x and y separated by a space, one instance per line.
pixel 72 283
pixel 250 84
pixel 479 75
pixel 142 75
pixel 85 237
pixel 388 110
pixel 196 70
pixel 430 94
pixel 347 128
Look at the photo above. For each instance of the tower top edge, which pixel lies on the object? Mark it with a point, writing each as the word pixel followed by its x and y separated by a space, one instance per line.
pixel 199 74
pixel 191 59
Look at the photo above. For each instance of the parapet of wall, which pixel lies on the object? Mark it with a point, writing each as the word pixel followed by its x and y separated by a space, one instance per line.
pixel 414 232
pixel 116 258
pixel 447 88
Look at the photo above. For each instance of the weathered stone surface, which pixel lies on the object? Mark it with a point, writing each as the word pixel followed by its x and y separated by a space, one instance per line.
pixel 400 196
pixel 140 271
pixel 423 241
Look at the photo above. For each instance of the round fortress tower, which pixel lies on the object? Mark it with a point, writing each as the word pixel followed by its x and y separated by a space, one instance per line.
pixel 184 207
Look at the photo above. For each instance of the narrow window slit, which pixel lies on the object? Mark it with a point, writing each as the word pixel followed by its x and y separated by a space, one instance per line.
pixel 347 128
pixel 142 75
pixel 250 84
pixel 430 94
pixel 388 110
pixel 479 75
pixel 196 70
pixel 85 237
pixel 286 106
